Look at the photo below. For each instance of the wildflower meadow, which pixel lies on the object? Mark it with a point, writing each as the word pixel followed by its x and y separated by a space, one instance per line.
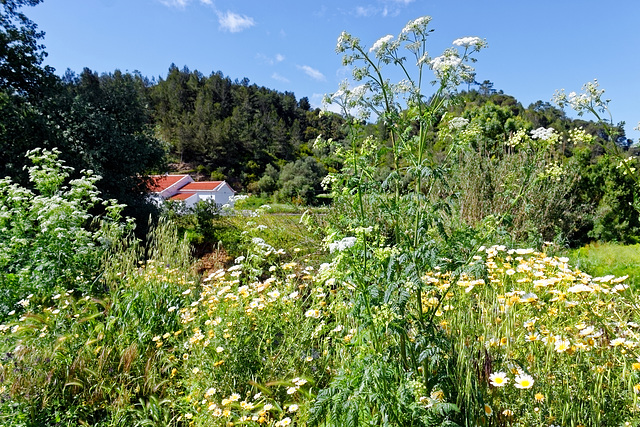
pixel 413 300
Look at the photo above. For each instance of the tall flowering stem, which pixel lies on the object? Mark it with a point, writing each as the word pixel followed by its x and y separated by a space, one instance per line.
pixel 591 101
pixel 388 269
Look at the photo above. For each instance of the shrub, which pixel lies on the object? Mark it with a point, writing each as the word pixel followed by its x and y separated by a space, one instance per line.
pixel 51 239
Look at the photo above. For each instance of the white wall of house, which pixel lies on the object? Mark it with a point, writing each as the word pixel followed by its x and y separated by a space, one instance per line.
pixel 224 191
pixel 191 201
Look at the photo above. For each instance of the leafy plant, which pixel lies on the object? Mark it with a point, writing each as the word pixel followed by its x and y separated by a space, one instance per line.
pixel 50 238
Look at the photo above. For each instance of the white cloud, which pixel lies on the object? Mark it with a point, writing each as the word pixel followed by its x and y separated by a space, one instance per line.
pixel 175 3
pixel 268 60
pixel 365 11
pixel 233 22
pixel 279 78
pixel 312 72
pixel 384 8
pixel 183 3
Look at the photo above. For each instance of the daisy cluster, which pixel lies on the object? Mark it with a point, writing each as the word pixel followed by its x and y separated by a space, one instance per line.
pixel 540 325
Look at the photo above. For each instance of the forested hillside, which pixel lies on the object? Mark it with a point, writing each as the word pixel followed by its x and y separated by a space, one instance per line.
pixel 233 130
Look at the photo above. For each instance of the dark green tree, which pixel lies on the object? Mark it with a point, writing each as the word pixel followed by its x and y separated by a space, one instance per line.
pixel 21 53
pixel 300 180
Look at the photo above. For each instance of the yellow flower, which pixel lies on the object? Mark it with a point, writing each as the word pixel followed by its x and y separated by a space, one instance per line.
pixel 539 397
pixel 488 410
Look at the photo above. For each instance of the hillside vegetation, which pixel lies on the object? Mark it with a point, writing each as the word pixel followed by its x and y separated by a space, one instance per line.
pixel 433 289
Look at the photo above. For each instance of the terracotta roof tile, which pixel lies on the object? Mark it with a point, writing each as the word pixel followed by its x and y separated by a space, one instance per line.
pixel 201 186
pixel 181 196
pixel 162 182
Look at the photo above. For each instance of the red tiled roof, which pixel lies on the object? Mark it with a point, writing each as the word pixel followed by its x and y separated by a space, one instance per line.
pixel 201 186
pixel 181 196
pixel 162 182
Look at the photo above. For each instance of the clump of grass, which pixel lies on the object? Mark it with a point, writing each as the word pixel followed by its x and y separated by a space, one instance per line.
pixel 601 259
pixel 81 359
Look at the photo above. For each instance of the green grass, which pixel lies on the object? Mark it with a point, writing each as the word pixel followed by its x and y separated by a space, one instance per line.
pixel 601 259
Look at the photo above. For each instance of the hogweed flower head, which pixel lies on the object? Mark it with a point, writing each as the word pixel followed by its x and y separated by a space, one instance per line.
pixel 446 62
pixel 590 99
pixel 381 45
pixel 544 134
pixel 458 123
pixel 470 42
pixel 416 26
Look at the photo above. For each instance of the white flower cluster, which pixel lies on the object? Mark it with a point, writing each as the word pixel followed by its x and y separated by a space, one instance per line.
pixel 468 42
pixel 544 134
pixel 589 100
pixel 446 62
pixel 343 244
pixel 458 123
pixel 380 45
pixel 418 25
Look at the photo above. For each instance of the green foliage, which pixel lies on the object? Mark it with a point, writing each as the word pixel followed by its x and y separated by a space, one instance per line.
pixel 49 238
pixel 300 181
pixel 391 229
pixel 96 123
pixel 92 360
pixel 234 127
pixel 21 56
pixel 601 259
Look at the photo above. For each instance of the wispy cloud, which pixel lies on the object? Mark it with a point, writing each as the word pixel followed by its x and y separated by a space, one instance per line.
pixel 269 60
pixel 366 11
pixel 233 22
pixel 183 3
pixel 383 7
pixel 312 72
pixel 278 77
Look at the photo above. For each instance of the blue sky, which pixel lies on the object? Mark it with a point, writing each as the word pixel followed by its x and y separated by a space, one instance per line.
pixel 534 49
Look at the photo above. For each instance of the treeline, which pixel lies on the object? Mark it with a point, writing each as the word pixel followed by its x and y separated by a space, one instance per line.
pixel 123 126
pixel 233 130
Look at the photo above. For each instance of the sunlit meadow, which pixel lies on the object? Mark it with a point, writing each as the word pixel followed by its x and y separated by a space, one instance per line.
pixel 390 310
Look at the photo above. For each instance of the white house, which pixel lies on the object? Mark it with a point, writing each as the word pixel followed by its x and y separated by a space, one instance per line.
pixel 183 188
pixel 219 191
pixel 189 199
